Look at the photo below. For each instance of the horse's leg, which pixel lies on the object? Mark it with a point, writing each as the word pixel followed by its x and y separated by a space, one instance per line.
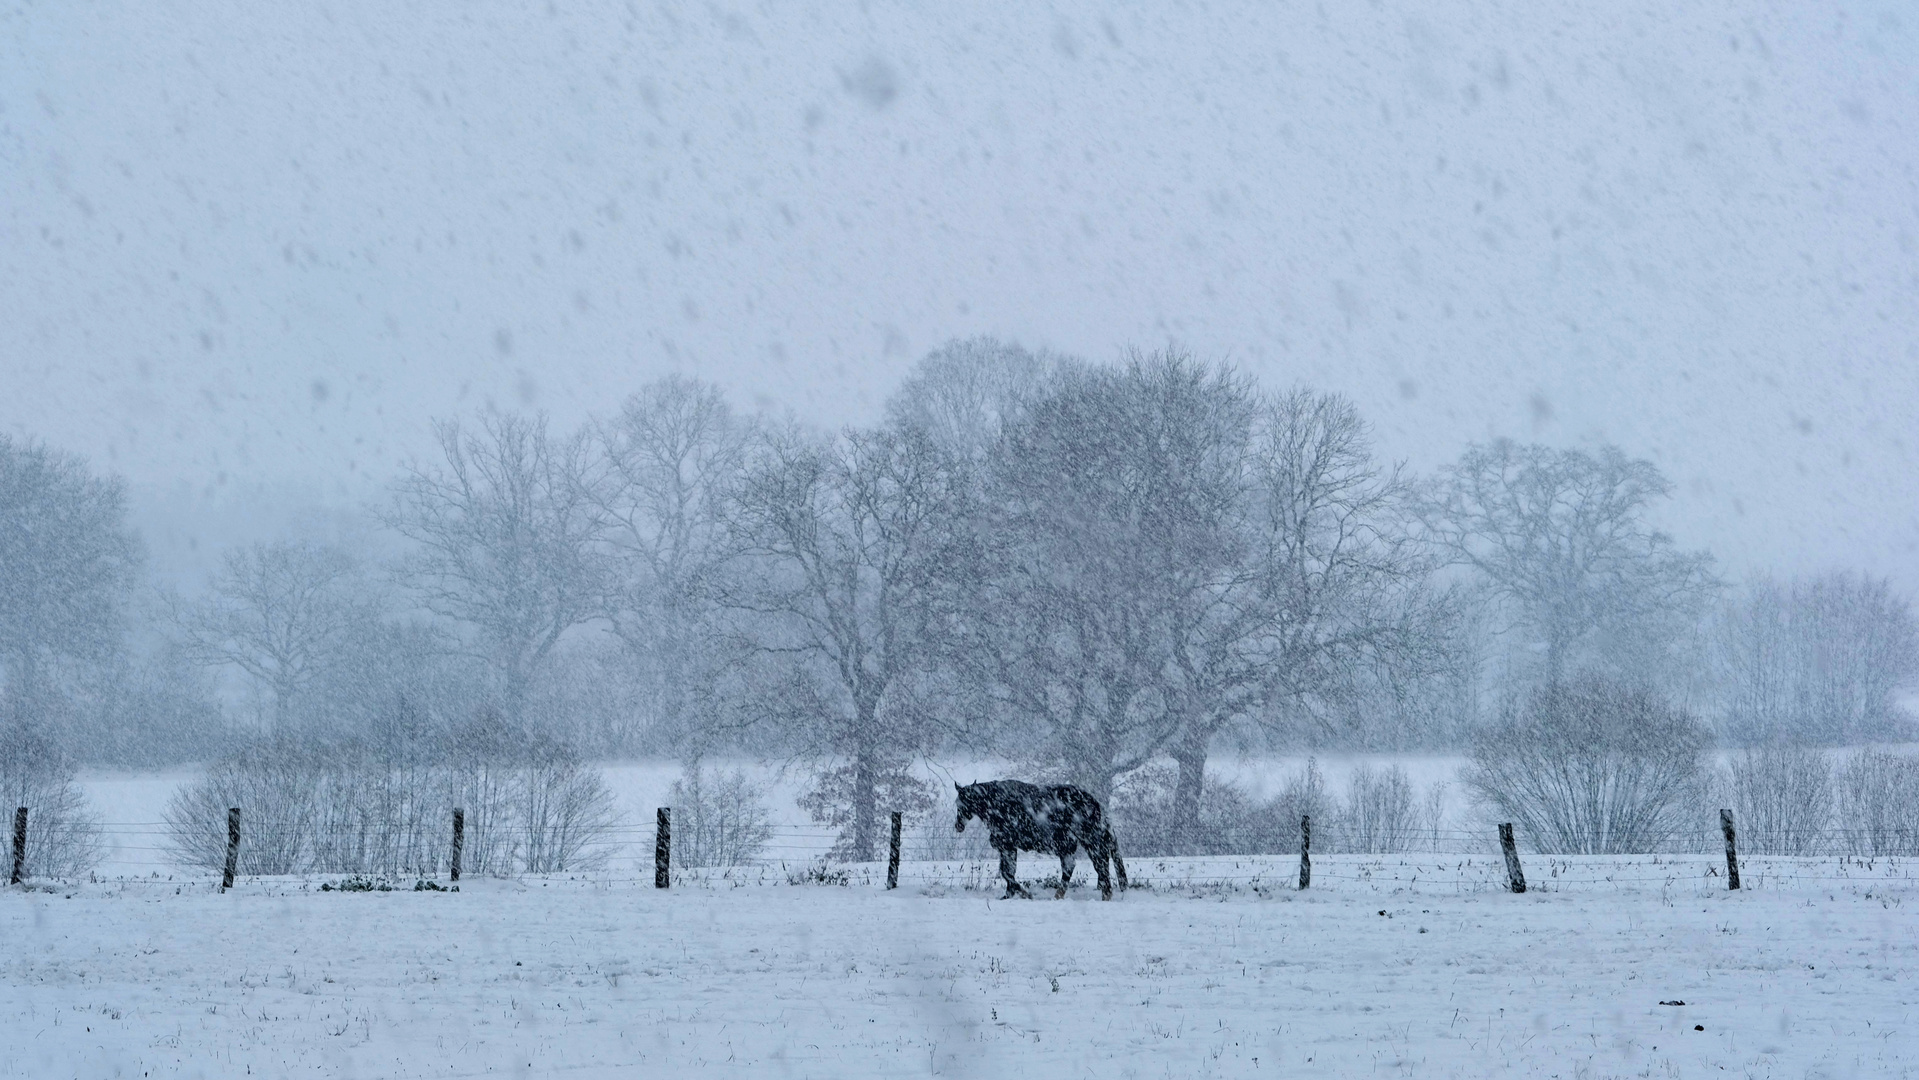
pixel 1065 872
pixel 1009 869
pixel 1119 864
pixel 1099 850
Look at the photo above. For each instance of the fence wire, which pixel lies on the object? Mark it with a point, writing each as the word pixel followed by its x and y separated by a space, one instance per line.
pixel 1428 861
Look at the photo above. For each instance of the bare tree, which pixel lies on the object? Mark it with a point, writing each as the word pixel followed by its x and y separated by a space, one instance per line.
pixel 397 683
pixel 1821 660
pixel 855 556
pixel 1113 503
pixel 280 612
pixel 508 542
pixel 1177 554
pixel 1559 540
pixel 1318 598
pixel 963 393
pixel 660 475
pixel 67 567
pixel 157 710
pixel 1593 766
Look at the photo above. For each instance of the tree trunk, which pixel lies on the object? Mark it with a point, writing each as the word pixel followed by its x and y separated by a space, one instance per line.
pixel 1556 639
pixel 25 686
pixel 865 798
pixel 1190 755
pixel 282 705
pixel 513 680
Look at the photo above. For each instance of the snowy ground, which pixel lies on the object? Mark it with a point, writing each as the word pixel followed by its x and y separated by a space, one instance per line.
pixel 1218 968
pixel 1215 967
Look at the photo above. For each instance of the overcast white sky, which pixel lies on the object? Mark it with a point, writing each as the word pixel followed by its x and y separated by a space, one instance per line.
pixel 246 251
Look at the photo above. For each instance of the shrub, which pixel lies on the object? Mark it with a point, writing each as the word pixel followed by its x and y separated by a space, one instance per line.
pixel 1879 803
pixel 1231 820
pixel 375 815
pixel 932 839
pixel 1303 795
pixel 346 807
pixel 565 812
pixel 1593 767
pixel 276 786
pixel 718 821
pixel 1433 812
pixel 1379 815
pixel 63 841
pixel 834 794
pixel 1781 798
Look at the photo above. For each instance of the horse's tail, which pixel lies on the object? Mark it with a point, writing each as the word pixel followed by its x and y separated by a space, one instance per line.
pixel 1112 849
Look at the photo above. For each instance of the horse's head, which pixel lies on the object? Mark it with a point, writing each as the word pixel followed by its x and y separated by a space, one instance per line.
pixel 966 798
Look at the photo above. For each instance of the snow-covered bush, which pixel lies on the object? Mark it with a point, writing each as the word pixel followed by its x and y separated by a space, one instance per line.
pixel 1303 796
pixel 718 820
pixel 1379 815
pixel 836 795
pixel 1432 814
pixel 933 839
pixel 275 784
pixel 373 814
pixel 1879 803
pixel 347 807
pixel 1781 798
pixel 1231 822
pixel 565 813
pixel 1593 767
pixel 63 841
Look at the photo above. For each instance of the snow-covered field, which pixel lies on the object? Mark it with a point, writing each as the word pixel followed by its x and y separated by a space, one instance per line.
pixel 1813 973
pixel 1416 965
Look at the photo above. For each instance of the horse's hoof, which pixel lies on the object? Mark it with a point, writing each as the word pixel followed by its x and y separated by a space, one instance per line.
pixel 1059 894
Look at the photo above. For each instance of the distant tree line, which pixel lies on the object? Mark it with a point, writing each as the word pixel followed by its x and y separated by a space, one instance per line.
pixel 1107 572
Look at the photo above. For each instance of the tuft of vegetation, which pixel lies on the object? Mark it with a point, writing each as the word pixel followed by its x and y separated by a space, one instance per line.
pixel 819 872
pixel 357 883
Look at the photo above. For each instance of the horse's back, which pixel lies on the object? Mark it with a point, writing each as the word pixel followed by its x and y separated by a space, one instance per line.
pixel 1081 801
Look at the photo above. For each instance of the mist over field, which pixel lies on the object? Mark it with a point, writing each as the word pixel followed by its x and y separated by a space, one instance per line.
pixel 734 448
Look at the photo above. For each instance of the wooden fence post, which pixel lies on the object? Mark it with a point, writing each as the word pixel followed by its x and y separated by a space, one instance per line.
pixel 459 841
pixel 1305 850
pixel 663 848
pixel 893 855
pixel 19 845
pixel 233 848
pixel 1515 876
pixel 1732 851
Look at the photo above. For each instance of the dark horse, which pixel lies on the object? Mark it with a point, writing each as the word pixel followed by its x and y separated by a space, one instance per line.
pixel 1059 819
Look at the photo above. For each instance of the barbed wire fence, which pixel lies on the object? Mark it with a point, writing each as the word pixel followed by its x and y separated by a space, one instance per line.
pixel 931 859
